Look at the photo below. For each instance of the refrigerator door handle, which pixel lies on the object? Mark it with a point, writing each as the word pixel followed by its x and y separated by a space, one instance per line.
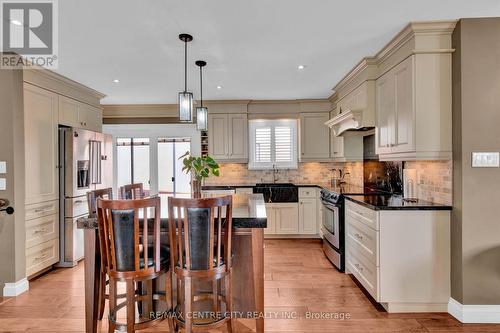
pixel 95 162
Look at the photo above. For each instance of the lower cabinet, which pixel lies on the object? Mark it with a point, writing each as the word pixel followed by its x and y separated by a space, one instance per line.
pixel 42 236
pixel 402 271
pixel 282 218
pixel 308 216
pixel 295 219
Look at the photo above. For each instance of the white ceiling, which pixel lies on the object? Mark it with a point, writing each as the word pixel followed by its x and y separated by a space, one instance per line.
pixel 252 47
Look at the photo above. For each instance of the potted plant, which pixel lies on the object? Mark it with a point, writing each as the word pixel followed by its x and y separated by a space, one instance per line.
pixel 200 168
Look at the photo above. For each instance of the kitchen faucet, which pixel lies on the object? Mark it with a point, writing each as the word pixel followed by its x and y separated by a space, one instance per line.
pixel 275 173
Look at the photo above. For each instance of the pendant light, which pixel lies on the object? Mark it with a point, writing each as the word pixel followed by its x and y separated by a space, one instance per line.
pixel 201 112
pixel 185 97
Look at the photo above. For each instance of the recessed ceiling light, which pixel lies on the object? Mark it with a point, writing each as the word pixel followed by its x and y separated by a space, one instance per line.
pixel 16 22
pixel 219 87
pixel 116 81
pixel 301 67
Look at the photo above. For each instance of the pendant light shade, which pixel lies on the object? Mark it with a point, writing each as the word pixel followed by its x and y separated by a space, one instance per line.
pixel 185 97
pixel 201 112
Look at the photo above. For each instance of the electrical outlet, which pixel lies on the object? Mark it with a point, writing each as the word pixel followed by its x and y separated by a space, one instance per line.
pixel 3 167
pixel 485 160
pixel 3 184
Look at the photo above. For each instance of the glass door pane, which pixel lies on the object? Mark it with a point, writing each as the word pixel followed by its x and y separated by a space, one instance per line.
pixel 165 167
pixel 140 173
pixel 123 160
pixel 182 180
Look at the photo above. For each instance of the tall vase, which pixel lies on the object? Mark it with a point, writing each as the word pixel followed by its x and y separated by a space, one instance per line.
pixel 196 188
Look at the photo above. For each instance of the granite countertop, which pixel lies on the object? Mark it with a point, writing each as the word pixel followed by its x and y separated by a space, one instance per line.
pixel 249 211
pixel 394 202
pixel 364 196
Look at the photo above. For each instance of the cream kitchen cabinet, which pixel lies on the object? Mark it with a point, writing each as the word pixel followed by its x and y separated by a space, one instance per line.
pixel 228 137
pixel 308 216
pixel 282 219
pixel 41 144
pixel 413 112
pixel 314 137
pixel 396 109
pixel 79 115
pixel 402 272
pixel 347 147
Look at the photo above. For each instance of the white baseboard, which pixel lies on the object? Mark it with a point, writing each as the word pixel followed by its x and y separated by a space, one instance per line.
pixel 474 314
pixel 16 288
pixel 414 307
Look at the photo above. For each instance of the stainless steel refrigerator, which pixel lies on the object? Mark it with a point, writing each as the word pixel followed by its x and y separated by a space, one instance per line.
pixel 85 164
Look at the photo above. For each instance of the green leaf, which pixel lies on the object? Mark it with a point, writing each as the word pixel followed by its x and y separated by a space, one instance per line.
pixel 216 172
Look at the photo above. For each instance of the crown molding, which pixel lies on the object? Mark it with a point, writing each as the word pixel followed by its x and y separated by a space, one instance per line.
pixel 367 63
pixel 57 83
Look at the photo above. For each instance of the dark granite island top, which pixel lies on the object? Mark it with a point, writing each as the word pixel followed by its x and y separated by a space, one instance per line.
pixel 249 211
pixel 394 202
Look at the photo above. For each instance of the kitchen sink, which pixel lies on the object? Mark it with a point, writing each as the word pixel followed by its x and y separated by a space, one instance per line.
pixel 278 192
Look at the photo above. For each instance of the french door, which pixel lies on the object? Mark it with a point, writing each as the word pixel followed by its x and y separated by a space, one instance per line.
pixel 172 181
pixel 155 163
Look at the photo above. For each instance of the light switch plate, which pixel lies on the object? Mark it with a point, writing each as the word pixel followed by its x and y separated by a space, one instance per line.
pixel 485 160
pixel 3 184
pixel 3 167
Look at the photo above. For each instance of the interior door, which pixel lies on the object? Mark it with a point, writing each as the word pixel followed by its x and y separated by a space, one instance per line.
pixel 172 181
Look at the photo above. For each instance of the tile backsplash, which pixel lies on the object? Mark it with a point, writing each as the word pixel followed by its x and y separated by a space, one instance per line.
pixel 307 173
pixel 434 180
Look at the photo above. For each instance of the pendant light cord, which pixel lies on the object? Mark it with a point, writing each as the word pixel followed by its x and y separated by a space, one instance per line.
pixel 185 65
pixel 201 86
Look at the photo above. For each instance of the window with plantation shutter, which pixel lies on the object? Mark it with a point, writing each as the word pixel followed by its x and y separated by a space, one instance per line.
pixel 273 143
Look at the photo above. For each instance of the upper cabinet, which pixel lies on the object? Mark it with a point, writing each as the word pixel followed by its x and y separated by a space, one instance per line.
pixel 404 91
pixel 79 115
pixel 314 137
pixel 41 144
pixel 228 137
pixel 347 147
pixel 396 109
pixel 413 94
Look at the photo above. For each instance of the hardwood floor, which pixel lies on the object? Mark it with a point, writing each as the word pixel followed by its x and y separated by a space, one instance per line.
pixel 299 281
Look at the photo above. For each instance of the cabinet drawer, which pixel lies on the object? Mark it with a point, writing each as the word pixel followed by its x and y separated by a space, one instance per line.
pixel 362 214
pixel 363 239
pixel 41 209
pixel 76 206
pixel 42 256
pixel 366 273
pixel 307 192
pixel 41 230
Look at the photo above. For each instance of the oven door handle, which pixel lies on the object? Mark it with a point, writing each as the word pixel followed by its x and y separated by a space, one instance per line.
pixel 330 206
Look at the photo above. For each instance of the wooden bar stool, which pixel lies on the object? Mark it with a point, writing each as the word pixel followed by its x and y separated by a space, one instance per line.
pixel 200 251
pixel 92 197
pixel 132 191
pixel 133 259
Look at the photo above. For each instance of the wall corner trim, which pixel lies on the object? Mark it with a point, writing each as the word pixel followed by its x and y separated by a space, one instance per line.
pixel 16 288
pixel 474 314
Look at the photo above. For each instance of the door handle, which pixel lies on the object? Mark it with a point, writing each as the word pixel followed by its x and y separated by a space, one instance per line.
pixel 4 207
pixel 9 210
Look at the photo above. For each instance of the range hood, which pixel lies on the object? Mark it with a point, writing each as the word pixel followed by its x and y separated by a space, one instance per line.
pixel 351 120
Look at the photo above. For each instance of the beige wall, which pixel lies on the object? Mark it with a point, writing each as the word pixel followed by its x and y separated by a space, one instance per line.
pixel 476 191
pixel 12 230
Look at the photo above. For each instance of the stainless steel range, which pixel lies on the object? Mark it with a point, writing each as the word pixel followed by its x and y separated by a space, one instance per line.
pixel 333 227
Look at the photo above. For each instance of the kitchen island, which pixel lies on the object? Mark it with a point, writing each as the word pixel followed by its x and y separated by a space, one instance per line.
pixel 249 221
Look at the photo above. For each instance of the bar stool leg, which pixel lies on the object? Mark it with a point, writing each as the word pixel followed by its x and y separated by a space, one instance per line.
pixel 229 302
pixel 215 294
pixel 188 299
pixel 112 305
pixel 102 295
pixel 170 301
pixel 130 306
